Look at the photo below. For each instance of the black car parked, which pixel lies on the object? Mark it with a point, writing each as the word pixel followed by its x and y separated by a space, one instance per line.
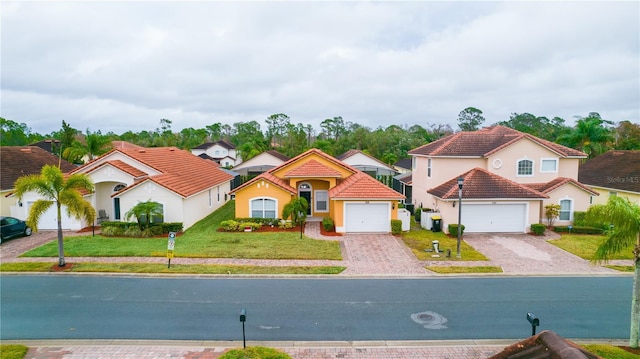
pixel 13 227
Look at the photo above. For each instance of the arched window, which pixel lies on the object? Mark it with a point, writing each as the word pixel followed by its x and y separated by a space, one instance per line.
pixel 263 208
pixel 525 167
pixel 118 187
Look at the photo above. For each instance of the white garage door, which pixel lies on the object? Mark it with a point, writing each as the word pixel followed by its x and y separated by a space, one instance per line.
pixel 49 220
pixel 506 217
pixel 367 217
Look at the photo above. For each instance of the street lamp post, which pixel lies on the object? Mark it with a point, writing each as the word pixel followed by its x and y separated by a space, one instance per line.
pixel 460 182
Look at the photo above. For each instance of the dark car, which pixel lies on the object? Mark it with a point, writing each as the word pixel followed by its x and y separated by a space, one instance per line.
pixel 13 227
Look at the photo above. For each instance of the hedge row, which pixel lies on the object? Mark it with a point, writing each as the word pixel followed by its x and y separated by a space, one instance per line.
pixel 131 229
pixel 578 229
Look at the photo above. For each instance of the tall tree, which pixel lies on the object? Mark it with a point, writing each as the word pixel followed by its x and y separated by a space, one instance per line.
pixel 214 131
pixel 591 135
pixel 58 190
pixel 470 119
pixel 276 128
pixel 627 136
pixel 93 144
pixel 624 216
pixel 540 127
pixel 16 134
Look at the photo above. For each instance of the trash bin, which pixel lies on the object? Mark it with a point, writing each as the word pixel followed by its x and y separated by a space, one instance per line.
pixel 436 225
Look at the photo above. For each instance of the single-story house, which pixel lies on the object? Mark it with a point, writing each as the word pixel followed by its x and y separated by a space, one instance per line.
pixel 354 200
pixel 614 173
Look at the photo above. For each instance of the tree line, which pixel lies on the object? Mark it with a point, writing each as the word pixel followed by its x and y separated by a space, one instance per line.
pixel 591 134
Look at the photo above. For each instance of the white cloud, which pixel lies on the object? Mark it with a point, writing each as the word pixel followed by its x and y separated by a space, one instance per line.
pixel 119 66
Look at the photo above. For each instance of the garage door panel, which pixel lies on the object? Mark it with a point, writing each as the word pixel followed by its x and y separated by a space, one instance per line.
pixel 367 217
pixel 494 217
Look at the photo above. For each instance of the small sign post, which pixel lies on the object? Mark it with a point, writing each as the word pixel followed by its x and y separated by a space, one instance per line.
pixel 170 246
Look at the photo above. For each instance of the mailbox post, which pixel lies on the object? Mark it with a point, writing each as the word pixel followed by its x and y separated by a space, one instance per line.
pixel 243 318
pixel 534 322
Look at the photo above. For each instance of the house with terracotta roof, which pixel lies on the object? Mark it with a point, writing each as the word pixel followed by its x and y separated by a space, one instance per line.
pixel 614 173
pixel 188 187
pixel 18 161
pixel 354 200
pixel 222 152
pixel 508 177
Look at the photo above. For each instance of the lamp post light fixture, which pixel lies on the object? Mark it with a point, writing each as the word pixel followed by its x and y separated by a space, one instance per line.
pixel 460 182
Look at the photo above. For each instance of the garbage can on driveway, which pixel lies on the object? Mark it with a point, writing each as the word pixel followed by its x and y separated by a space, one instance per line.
pixel 436 225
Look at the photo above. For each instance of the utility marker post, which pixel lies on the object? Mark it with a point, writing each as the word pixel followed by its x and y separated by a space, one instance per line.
pixel 170 246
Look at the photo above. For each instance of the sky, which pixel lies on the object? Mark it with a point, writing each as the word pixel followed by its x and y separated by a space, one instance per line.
pixel 119 66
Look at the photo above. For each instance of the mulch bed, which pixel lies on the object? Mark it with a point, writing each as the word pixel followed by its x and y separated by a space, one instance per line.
pixel 331 233
pixel 57 268
pixel 631 350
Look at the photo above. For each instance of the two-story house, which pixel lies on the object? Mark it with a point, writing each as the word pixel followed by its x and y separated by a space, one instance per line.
pixel 507 178
pixel 222 152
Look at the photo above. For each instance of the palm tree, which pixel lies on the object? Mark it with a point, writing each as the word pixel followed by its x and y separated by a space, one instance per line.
pixel 297 210
pixel 624 216
pixel 57 189
pixel 590 135
pixel 144 211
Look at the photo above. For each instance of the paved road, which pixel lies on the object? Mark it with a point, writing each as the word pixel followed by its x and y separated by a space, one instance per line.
pixel 98 307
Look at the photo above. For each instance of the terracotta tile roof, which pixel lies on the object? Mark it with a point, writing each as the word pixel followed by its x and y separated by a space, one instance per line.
pixel 482 184
pixel 124 144
pixel 545 345
pixel 266 176
pixel 486 141
pixel 614 169
pixel 558 182
pixel 362 186
pixel 312 168
pixel 180 171
pixel 18 161
pixel 133 171
pixel 319 153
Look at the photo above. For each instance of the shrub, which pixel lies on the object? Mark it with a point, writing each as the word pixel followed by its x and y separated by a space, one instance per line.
pixel 229 225
pixel 418 214
pixel 254 226
pixel 396 226
pixel 264 221
pixel 579 218
pixel 551 211
pixel 133 232
pixel 327 224
pixel 172 227
pixel 578 229
pixel 112 231
pixel 286 224
pixel 538 228
pixel 453 229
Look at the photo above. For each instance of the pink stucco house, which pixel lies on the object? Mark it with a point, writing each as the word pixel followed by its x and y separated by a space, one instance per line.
pixel 509 176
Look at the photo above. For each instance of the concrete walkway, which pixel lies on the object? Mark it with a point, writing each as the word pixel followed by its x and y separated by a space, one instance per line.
pixel 370 255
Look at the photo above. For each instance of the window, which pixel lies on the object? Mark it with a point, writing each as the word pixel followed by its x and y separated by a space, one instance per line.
pixel 413 163
pixel 565 210
pixel 429 167
pixel 525 168
pixel 263 208
pixel 549 165
pixel 322 201
pixel 210 203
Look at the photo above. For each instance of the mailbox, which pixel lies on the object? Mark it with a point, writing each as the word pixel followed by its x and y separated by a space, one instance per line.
pixel 243 315
pixel 534 322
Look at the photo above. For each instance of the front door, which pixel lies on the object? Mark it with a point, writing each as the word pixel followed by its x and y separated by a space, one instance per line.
pixel 304 191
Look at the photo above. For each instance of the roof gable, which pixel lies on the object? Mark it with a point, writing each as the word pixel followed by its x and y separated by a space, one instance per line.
pixel 486 141
pixel 558 182
pixel 312 168
pixel 614 169
pixel 357 158
pixel 317 155
pixel 360 186
pixel 18 161
pixel 482 184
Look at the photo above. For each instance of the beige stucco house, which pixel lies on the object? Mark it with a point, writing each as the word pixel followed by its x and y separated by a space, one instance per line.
pixel 188 187
pixel 508 177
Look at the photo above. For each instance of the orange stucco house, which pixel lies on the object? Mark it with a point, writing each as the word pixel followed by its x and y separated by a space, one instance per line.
pixel 354 200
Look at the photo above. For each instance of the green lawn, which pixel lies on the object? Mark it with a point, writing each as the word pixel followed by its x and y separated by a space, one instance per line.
pixel 585 245
pixel 200 241
pixel 421 239
pixel 464 269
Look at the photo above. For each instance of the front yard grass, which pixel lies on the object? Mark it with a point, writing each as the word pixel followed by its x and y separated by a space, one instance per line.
pixel 176 268
pixel 464 269
pixel 419 240
pixel 585 245
pixel 200 241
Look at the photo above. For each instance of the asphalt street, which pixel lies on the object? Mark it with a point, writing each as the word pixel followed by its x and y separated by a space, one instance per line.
pixel 127 307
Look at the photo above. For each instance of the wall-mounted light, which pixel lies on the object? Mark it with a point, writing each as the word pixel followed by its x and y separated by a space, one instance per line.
pixel 393 206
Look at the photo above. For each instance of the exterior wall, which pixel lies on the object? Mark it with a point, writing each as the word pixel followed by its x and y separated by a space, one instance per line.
pixel 7 203
pixel 202 204
pixel 172 203
pixel 505 163
pixel 606 192
pixel 569 167
pixel 48 220
pixel 316 185
pixel 442 170
pixel 580 201
pixel 450 213
pixel 260 189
